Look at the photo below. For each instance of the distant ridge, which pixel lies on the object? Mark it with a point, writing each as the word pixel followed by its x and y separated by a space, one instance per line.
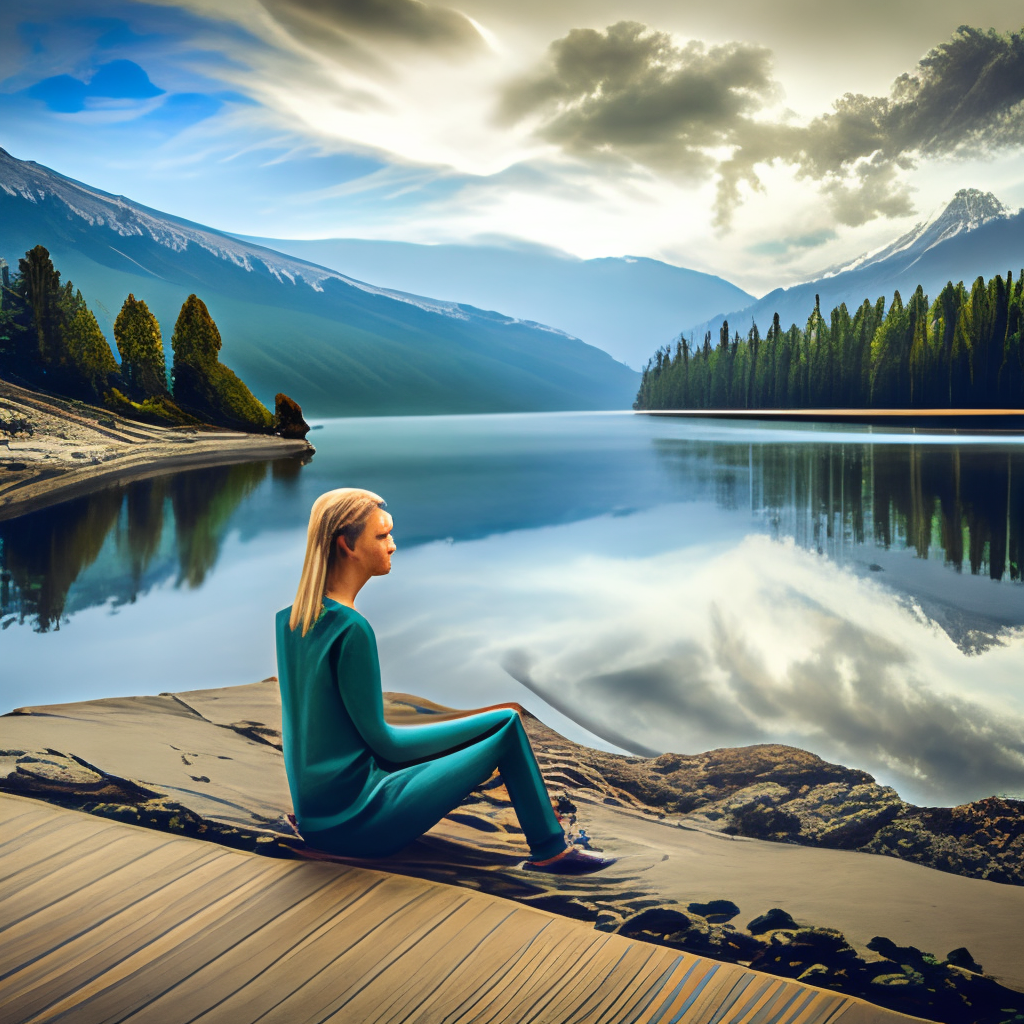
pixel 627 305
pixel 338 345
pixel 973 235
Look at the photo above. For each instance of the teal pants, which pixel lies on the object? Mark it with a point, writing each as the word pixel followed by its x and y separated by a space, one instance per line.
pixel 414 797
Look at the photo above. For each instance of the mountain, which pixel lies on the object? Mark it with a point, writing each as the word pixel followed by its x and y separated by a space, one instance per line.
pixel 626 305
pixel 337 345
pixel 974 234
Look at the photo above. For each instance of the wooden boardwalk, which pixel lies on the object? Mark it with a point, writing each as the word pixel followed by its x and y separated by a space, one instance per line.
pixel 104 922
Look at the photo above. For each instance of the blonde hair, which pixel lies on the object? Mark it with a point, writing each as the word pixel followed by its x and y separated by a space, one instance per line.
pixel 342 511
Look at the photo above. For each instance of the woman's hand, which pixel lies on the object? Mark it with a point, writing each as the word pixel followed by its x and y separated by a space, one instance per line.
pixel 511 706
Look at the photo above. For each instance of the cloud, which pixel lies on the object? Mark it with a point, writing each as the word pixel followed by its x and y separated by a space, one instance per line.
pixel 777 645
pixel 332 24
pixel 116 80
pixel 632 93
pixel 793 243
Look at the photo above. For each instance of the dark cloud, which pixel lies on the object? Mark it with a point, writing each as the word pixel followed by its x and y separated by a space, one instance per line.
pixel 630 92
pixel 335 25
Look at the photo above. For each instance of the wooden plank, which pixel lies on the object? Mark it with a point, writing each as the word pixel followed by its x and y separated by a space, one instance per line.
pixel 33 829
pixel 626 1002
pixel 526 940
pixel 97 958
pixel 606 988
pixel 429 964
pixel 71 875
pixel 172 957
pixel 528 996
pixel 93 905
pixel 228 972
pixel 107 922
pixel 49 854
pixel 360 962
pixel 383 898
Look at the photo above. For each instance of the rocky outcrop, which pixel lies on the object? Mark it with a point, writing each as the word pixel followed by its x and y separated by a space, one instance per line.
pixel 288 421
pixel 784 794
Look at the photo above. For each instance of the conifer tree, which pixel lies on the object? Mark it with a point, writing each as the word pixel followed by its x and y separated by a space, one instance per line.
pixel 88 351
pixel 41 288
pixel 204 386
pixel 143 367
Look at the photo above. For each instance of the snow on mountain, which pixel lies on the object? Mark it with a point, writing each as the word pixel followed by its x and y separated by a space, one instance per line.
pixel 966 211
pixel 972 235
pixel 35 183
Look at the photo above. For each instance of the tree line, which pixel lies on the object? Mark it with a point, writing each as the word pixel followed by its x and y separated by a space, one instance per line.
pixel 49 338
pixel 964 350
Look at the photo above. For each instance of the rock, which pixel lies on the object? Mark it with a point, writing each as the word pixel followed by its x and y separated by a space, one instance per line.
pixel 816 974
pixel 715 910
pixel 658 924
pixel 909 956
pixel 774 919
pixel 960 957
pixel 288 421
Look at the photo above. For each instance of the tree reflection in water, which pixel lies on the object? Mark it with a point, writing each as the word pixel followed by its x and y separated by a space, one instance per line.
pixel 42 554
pixel 966 502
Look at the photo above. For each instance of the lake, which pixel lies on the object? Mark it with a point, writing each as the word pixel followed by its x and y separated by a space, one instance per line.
pixel 641 584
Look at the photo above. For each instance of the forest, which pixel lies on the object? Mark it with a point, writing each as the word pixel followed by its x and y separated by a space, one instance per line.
pixel 960 351
pixel 50 340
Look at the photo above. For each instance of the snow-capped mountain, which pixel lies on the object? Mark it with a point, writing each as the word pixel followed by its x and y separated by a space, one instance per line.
pixel 337 344
pixel 35 183
pixel 967 211
pixel 973 235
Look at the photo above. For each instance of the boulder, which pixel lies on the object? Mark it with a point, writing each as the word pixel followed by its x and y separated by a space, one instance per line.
pixel 774 919
pixel 288 421
pixel 715 910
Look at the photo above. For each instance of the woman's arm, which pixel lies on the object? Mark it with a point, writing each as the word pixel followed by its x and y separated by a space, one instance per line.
pixel 358 676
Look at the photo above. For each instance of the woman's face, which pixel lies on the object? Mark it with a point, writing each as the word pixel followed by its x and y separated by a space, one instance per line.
pixel 374 546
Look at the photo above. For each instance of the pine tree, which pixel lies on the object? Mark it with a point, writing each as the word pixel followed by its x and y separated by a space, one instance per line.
pixel 205 387
pixel 143 367
pixel 42 291
pixel 88 351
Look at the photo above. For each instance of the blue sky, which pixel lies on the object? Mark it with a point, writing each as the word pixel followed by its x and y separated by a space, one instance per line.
pixel 715 139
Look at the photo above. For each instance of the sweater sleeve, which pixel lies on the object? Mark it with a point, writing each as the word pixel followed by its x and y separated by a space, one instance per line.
pixel 358 676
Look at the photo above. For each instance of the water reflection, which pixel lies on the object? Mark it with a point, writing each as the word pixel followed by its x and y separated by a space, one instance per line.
pixel 43 554
pixel 667 585
pixel 963 505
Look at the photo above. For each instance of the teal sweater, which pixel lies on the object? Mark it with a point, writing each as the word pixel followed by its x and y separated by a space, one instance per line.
pixel 338 749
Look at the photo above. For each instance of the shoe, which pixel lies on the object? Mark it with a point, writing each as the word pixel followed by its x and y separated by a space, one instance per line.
pixel 575 862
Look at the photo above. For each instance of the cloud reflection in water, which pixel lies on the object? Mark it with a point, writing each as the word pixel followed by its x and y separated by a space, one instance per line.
pixel 719 644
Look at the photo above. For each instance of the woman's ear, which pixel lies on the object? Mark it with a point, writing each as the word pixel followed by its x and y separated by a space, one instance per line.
pixel 343 549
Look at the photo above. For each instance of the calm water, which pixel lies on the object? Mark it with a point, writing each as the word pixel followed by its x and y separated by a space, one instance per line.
pixel 641 584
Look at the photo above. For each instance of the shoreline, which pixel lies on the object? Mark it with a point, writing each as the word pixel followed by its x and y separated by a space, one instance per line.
pixel 207 764
pixel 75 449
pixel 945 420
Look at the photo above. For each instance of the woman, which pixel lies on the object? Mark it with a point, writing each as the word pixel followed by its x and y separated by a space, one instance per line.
pixel 361 787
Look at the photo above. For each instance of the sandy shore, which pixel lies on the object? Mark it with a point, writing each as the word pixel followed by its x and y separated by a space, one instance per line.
pixel 208 764
pixel 73 448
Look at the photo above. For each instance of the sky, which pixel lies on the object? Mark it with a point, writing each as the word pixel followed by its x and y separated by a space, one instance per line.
pixel 761 142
